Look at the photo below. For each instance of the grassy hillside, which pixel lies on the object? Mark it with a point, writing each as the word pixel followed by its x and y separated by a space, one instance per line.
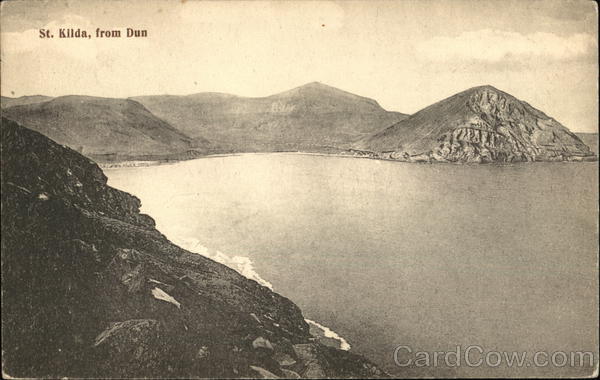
pixel 102 127
pixel 9 102
pixel 311 117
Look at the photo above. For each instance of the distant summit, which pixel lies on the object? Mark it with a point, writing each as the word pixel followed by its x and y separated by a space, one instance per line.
pixel 481 124
pixel 318 89
pixel 310 117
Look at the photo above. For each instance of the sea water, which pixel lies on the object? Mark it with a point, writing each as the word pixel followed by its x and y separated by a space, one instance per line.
pixel 386 254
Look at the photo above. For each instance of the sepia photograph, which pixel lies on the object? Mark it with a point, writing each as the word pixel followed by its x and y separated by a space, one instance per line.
pixel 218 189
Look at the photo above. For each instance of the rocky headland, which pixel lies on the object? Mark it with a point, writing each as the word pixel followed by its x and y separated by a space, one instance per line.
pixel 92 289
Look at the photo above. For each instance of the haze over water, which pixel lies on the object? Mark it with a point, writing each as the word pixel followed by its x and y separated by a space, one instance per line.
pixel 388 253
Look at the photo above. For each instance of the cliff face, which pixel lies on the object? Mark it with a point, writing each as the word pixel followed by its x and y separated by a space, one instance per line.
pixel 482 124
pixel 92 289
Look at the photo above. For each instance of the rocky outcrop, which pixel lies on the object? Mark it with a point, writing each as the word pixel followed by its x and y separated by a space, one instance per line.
pixel 92 289
pixel 479 125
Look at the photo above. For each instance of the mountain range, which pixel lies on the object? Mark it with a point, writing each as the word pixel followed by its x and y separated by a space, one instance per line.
pixel 90 289
pixel 479 125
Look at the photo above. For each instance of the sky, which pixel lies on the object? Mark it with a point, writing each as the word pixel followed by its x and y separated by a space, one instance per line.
pixel 406 54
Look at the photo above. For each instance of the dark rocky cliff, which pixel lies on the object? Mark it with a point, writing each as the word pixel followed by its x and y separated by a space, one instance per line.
pixel 91 289
pixel 482 124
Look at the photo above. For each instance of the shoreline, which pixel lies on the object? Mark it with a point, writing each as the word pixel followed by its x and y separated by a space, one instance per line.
pixel 143 163
pixel 245 266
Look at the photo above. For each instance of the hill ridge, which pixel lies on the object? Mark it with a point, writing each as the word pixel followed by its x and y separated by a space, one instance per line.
pixel 7 101
pixel 311 117
pixel 315 85
pixel 103 128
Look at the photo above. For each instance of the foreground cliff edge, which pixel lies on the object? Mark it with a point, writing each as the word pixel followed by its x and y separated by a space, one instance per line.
pixel 91 289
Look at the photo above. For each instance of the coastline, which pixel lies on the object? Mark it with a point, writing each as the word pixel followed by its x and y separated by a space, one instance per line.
pixel 241 264
pixel 142 163
pixel 245 266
